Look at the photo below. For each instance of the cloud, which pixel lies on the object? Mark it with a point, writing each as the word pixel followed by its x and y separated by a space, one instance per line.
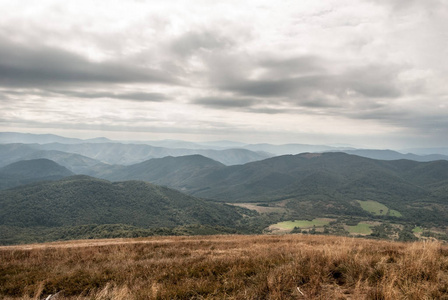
pixel 371 81
pixel 26 65
pixel 190 42
pixel 134 96
pixel 360 64
pixel 230 102
pixel 307 64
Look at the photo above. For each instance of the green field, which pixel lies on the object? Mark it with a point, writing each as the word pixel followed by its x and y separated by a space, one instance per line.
pixel 378 209
pixel 303 224
pixel 417 229
pixel 361 228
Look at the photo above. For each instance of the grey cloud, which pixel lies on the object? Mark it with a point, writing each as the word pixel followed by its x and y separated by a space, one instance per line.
pixel 132 96
pixel 4 97
pixel 135 96
pixel 44 66
pixel 292 66
pixel 273 87
pixel 304 85
pixel 250 105
pixel 374 81
pixel 270 111
pixel 218 102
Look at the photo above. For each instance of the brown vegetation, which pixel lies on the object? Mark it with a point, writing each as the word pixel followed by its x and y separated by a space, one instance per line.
pixel 226 267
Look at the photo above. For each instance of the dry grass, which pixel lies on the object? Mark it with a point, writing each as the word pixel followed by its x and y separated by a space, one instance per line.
pixel 226 267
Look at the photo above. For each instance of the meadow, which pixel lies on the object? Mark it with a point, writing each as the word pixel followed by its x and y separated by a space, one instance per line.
pixel 378 209
pixel 226 267
pixel 361 228
pixel 303 224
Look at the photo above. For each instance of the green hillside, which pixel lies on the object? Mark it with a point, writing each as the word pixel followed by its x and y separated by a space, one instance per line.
pixel 325 175
pixel 394 195
pixel 81 200
pixel 170 171
pixel 312 185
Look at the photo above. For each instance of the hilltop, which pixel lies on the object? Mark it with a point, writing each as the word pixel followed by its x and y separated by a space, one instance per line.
pixel 28 171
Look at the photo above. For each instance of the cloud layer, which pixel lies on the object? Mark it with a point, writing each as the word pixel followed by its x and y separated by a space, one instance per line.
pixel 368 72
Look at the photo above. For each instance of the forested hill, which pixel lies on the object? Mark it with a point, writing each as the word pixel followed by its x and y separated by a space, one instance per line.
pixel 30 211
pixel 28 171
pixel 81 200
pixel 323 174
pixel 170 171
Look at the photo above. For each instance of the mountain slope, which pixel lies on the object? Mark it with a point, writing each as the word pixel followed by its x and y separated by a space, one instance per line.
pixel 29 171
pixel 304 174
pixel 291 176
pixel 170 171
pixel 313 184
pixel 81 200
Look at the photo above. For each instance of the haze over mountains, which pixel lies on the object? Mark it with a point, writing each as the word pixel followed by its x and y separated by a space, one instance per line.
pixel 127 153
pixel 41 195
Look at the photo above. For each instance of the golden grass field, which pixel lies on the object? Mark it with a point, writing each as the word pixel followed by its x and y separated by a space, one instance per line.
pixel 226 267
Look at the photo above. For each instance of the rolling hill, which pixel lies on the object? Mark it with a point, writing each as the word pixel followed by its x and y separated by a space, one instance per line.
pixel 82 200
pixel 170 171
pixel 28 171
pixel 309 184
pixel 281 176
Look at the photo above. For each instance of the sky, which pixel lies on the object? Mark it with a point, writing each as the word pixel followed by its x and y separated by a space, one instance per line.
pixel 368 73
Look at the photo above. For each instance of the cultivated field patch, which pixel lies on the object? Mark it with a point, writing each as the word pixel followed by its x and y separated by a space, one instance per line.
pixel 378 209
pixel 302 224
pixel 361 228
pixel 260 207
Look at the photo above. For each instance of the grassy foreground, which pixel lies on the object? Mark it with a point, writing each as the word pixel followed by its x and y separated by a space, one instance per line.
pixel 226 267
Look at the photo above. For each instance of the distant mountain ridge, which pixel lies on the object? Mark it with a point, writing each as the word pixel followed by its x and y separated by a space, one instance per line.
pixel 78 164
pixel 394 155
pixel 29 138
pixel 226 152
pixel 127 154
pixel 293 148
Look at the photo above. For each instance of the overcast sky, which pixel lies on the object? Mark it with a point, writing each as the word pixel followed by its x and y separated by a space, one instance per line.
pixel 371 73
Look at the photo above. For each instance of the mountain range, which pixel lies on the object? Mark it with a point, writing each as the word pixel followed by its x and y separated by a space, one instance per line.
pixel 40 196
pixel 107 151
